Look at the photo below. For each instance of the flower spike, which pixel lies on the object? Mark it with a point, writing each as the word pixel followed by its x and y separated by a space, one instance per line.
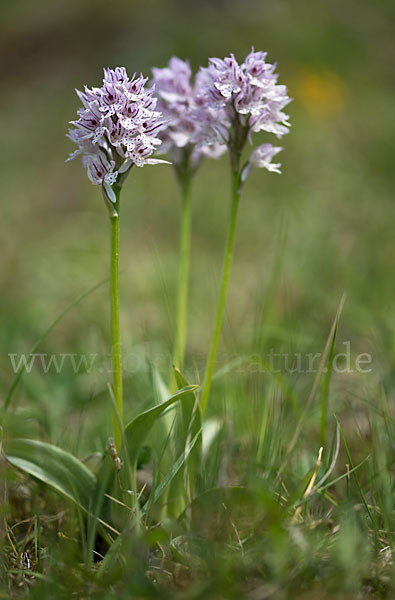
pixel 117 127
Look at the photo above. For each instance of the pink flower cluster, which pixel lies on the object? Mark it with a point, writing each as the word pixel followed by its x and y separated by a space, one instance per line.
pixel 177 99
pixel 118 127
pixel 226 104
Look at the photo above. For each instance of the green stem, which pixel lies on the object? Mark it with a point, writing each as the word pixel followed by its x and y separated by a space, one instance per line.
pixel 226 267
pixel 183 273
pixel 115 323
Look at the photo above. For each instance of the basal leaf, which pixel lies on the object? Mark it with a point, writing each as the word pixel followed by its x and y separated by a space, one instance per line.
pixel 137 430
pixel 53 466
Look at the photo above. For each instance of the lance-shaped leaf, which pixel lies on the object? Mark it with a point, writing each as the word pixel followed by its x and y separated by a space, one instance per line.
pixel 137 430
pixel 191 427
pixel 53 466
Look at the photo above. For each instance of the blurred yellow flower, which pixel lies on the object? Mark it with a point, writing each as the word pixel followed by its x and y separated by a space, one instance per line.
pixel 321 93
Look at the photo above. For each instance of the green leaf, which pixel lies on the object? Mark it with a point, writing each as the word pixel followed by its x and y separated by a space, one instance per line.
pixel 137 430
pixel 325 387
pixel 174 470
pixel 54 467
pixel 191 414
pixel 189 425
pixel 192 427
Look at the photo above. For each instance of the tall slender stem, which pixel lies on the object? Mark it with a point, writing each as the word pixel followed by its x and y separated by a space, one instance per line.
pixel 115 323
pixel 183 272
pixel 226 267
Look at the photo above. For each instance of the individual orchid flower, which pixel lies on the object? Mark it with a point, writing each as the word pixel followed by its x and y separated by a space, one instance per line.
pixel 262 157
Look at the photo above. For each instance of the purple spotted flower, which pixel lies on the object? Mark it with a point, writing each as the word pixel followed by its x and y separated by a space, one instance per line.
pixel 178 101
pixel 236 100
pixel 117 127
pixel 262 157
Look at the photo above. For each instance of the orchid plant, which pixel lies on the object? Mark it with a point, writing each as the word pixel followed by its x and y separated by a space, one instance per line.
pixel 177 97
pixel 117 128
pixel 235 101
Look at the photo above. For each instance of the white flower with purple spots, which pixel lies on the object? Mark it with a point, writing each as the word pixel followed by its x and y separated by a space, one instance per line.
pixel 117 127
pixel 262 157
pixel 178 101
pixel 236 100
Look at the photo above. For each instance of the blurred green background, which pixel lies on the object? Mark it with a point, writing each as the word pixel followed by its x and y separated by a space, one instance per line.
pixel 333 204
